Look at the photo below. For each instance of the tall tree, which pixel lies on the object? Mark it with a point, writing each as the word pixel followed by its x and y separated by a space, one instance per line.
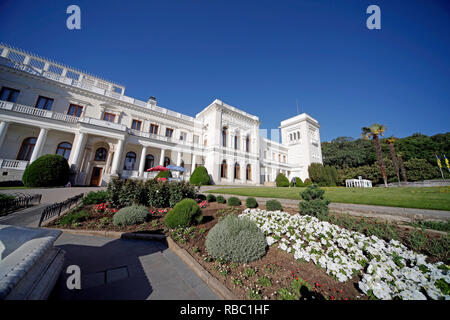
pixel 391 142
pixel 402 166
pixel 375 131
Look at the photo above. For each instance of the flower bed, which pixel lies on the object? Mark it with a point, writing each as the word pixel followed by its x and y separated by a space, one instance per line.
pixel 389 270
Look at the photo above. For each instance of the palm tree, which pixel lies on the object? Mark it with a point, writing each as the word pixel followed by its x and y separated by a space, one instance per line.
pixel 402 167
pixel 375 131
pixel 391 141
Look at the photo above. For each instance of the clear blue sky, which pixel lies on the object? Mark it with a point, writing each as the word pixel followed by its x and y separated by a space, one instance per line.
pixel 259 56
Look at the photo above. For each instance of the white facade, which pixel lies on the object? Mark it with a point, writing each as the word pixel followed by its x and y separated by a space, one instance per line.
pixel 48 108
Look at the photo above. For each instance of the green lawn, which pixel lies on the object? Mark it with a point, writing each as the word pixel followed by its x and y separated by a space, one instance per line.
pixel 437 198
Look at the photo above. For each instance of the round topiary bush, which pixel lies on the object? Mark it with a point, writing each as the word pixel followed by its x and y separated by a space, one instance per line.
pixel 164 174
pixel 130 215
pixel 298 182
pixel 281 180
pixel 251 203
pixel 273 205
pixel 50 170
pixel 307 182
pixel 221 199
pixel 185 213
pixel 200 177
pixel 235 239
pixel 211 198
pixel 233 201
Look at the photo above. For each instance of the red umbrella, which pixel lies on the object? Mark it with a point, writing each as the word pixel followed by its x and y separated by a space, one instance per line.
pixel 158 168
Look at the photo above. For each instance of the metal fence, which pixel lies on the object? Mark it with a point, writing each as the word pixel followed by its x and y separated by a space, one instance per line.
pixel 20 200
pixel 56 208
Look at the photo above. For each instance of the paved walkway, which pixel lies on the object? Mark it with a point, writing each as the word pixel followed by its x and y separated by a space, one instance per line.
pixel 29 217
pixel 126 269
pixel 395 213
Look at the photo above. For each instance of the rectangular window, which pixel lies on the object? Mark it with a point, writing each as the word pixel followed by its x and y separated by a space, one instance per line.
pixel 109 117
pixel 196 138
pixel 169 132
pixel 8 94
pixel 75 110
pixel 183 136
pixel 44 103
pixel 136 125
pixel 154 128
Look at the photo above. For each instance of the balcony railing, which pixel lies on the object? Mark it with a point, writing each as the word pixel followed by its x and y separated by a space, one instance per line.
pixel 13 164
pixel 15 107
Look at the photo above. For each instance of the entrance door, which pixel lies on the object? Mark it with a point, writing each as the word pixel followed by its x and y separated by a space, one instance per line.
pixel 96 176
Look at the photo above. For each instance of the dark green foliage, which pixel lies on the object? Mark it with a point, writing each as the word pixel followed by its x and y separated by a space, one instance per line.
pixel 235 239
pixel 221 199
pixel 50 170
pixel 134 214
pixel 74 217
pixel 211 198
pixel 158 194
pixel 281 180
pixel 95 197
pixel 233 201
pixel 251 202
pixel 185 213
pixel 200 177
pixel 200 197
pixel 164 174
pixel 298 182
pixel 435 225
pixel 132 192
pixel 179 191
pixel 113 189
pixel 273 205
pixel 307 182
pixel 323 176
pixel 313 203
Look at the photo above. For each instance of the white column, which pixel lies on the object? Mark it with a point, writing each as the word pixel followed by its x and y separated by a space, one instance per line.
pixel 3 129
pixel 117 156
pixel 78 150
pixel 142 162
pixel 179 159
pixel 194 162
pixel 161 159
pixel 39 144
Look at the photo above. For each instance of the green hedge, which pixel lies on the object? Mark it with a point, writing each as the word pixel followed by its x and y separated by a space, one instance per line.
pixel 251 203
pixel 185 213
pixel 313 203
pixel 234 202
pixel 211 198
pixel 221 199
pixel 164 174
pixel 200 177
pixel 95 197
pixel 50 170
pixel 273 205
pixel 281 180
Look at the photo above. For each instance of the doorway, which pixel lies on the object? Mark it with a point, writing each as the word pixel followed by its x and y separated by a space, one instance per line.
pixel 96 176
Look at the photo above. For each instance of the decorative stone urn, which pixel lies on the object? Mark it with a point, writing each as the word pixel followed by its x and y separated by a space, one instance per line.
pixel 29 263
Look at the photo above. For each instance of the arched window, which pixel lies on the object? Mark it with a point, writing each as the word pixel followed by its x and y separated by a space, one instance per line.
pixel 149 162
pixel 130 160
pixel 223 169
pixel 247 144
pixel 63 149
pixel 298 135
pixel 249 172
pixel 224 136
pixel 237 171
pixel 166 161
pixel 100 154
pixel 26 150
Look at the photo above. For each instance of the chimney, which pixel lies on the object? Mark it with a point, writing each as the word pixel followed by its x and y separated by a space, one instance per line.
pixel 152 101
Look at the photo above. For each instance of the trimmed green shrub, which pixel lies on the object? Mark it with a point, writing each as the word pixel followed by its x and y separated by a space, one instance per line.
pixel 127 216
pixel 211 198
pixel 323 176
pixel 235 239
pixel 314 204
pixel 158 194
pixel 185 213
pixel 179 191
pixel 51 170
pixel 200 177
pixel 299 182
pixel 273 205
pixel 221 199
pixel 164 174
pixel 132 192
pixel 95 197
pixel 281 180
pixel 74 217
pixel 200 197
pixel 307 182
pixel 233 201
pixel 113 189
pixel 251 202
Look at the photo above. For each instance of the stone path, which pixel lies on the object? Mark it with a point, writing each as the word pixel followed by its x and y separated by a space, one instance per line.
pixel 127 269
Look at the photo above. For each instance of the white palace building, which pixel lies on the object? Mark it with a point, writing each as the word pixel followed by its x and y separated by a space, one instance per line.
pixel 50 108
